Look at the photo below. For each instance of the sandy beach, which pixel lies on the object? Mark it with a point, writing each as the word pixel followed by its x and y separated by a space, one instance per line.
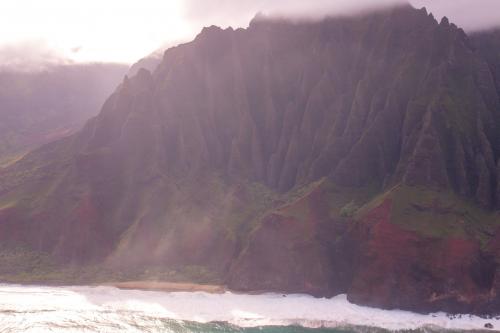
pixel 168 286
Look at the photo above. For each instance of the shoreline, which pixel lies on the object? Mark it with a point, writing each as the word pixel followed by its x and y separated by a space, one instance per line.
pixel 214 289
pixel 152 285
pixel 167 286
pixel 236 309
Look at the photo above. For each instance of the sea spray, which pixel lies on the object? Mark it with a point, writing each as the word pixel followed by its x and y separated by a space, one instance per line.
pixel 108 309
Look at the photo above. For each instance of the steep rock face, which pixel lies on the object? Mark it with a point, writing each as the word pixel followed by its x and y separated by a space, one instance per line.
pixel 488 44
pixel 353 99
pixel 407 249
pixel 402 269
pixel 297 248
pixel 497 196
pixel 289 152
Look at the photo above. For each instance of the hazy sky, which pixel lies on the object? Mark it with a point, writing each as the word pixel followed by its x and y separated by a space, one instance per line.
pixel 35 31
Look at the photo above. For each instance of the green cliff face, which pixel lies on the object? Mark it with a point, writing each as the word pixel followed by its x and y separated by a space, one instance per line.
pixel 303 157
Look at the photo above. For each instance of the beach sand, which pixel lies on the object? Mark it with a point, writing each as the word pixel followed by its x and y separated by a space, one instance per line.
pixel 167 286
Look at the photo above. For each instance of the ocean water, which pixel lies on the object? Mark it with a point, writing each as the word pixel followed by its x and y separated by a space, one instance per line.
pixel 107 309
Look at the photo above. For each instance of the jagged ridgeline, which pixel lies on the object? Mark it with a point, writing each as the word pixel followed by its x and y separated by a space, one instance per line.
pixel 352 155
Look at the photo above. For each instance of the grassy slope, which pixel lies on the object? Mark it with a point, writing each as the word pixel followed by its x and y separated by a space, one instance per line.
pixel 434 213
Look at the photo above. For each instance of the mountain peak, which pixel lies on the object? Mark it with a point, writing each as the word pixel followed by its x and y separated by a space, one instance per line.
pixel 445 22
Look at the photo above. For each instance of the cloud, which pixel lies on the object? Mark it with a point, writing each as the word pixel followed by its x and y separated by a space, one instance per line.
pixel 239 13
pixel 29 56
pixel 127 30
pixel 76 49
pixel 106 30
pixel 472 15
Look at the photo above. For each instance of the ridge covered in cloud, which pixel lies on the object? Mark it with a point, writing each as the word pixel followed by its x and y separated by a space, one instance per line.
pixel 472 15
pixel 239 13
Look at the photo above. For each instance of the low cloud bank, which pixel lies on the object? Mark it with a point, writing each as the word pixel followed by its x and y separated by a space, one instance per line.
pixel 239 13
pixel 472 15
pixel 29 56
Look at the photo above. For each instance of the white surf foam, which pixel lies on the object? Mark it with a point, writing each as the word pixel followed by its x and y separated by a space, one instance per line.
pixel 241 310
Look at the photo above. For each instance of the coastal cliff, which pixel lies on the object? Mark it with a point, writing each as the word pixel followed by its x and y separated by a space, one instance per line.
pixel 354 155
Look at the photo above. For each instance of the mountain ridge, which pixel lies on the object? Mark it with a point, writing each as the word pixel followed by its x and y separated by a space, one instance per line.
pixel 289 156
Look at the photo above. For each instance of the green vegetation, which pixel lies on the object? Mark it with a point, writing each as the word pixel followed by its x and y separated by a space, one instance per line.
pixel 349 210
pixel 10 159
pixel 189 273
pixel 299 210
pixel 21 265
pixel 345 201
pixel 298 192
pixel 255 201
pixel 436 213
pixel 340 201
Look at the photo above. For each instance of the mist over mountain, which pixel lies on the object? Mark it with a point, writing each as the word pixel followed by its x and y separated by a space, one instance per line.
pixel 356 155
pixel 469 15
pixel 39 105
pixel 149 63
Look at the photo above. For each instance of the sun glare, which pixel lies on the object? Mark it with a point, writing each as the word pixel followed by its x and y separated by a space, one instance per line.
pixel 93 30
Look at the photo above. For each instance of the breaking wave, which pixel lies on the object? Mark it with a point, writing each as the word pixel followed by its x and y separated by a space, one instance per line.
pixel 108 309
